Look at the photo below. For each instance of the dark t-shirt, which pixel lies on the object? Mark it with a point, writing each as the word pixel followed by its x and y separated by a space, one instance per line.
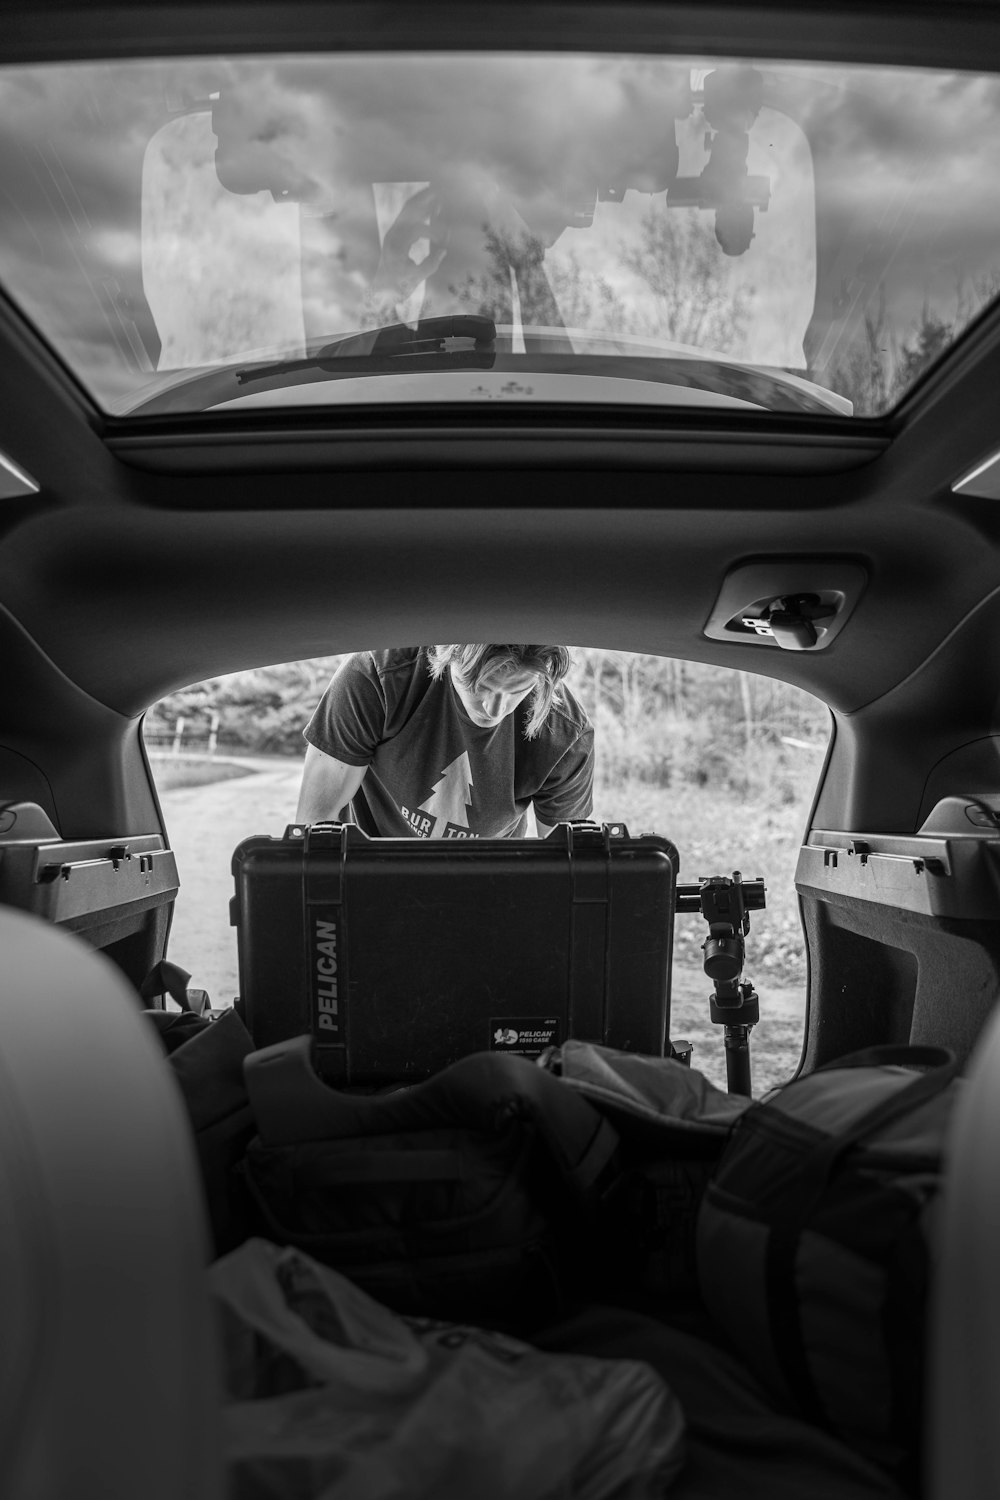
pixel 432 772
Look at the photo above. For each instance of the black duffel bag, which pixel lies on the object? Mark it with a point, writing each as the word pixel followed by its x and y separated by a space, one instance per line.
pixel 469 1197
pixel 815 1244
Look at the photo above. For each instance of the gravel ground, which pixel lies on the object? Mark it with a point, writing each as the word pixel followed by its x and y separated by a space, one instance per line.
pixel 205 823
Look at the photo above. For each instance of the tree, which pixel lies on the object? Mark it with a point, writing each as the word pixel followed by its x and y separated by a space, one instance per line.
pixel 553 295
pixel 450 797
pixel 933 335
pixel 679 258
pixel 261 711
pixel 876 370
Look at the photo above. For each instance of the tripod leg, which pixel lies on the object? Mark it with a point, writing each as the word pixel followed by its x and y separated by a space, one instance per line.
pixel 738 1060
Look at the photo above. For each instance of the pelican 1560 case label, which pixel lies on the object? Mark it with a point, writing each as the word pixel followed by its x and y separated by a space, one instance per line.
pixel 400 956
pixel 525 1036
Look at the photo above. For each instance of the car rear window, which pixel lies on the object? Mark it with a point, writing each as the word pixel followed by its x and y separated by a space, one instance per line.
pixel 343 230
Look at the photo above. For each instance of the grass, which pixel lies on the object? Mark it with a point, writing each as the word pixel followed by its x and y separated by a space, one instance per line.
pixel 717 832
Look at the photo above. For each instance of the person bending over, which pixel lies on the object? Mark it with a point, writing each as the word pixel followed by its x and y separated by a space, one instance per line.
pixel 449 742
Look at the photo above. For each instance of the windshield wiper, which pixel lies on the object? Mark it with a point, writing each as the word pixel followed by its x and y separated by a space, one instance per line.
pixel 395 349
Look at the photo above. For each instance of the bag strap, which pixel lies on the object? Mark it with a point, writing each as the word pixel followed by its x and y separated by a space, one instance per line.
pixel 166 978
pixel 582 1143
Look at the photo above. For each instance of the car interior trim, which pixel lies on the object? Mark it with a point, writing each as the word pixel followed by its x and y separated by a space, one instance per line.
pixel 983 481
pixel 15 481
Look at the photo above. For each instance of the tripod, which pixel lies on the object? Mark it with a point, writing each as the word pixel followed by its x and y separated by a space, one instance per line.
pixel 726 904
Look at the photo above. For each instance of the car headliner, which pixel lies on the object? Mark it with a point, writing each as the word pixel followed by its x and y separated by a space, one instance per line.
pixel 175 548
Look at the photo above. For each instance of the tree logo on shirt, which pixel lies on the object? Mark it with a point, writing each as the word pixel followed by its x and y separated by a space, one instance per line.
pixel 445 812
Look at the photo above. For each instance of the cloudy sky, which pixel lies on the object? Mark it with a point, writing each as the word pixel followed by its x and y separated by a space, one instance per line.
pixel 142 233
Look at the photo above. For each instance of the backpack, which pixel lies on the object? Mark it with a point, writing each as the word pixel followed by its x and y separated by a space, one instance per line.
pixel 815 1244
pixel 469 1197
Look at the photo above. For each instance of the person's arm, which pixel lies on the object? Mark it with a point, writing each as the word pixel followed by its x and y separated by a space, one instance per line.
pixel 568 793
pixel 327 787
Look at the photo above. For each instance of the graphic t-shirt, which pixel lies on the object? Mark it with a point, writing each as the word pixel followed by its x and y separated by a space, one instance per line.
pixel 432 772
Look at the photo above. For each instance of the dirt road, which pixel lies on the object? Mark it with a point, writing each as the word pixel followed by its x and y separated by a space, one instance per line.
pixel 205 824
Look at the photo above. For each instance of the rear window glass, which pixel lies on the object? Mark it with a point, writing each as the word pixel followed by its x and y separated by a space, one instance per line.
pixel 243 232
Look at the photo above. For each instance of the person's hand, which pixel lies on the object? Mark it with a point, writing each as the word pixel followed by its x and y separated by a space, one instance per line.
pixel 399 273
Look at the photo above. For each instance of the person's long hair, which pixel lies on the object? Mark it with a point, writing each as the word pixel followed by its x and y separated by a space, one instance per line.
pixel 482 666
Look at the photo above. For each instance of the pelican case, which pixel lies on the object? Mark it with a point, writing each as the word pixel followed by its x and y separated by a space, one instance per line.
pixel 400 956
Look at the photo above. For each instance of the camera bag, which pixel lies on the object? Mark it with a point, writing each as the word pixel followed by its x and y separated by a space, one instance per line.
pixel 815 1243
pixel 468 1197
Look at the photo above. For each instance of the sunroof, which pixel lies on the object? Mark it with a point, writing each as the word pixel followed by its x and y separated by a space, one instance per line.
pixel 216 234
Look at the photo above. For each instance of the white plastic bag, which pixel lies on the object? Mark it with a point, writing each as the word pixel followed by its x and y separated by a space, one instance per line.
pixel 334 1397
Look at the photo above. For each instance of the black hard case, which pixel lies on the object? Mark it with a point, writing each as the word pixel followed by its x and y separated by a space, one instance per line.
pixel 402 955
